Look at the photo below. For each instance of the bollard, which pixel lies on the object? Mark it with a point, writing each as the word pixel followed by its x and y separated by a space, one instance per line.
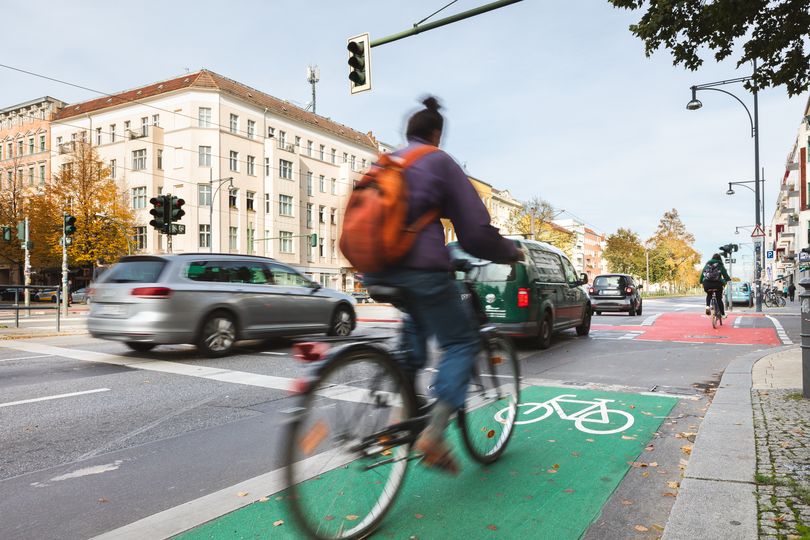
pixel 804 298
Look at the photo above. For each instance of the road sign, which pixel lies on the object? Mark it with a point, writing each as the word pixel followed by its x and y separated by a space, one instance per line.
pixel 177 228
pixel 769 254
pixel 804 256
pixel 758 232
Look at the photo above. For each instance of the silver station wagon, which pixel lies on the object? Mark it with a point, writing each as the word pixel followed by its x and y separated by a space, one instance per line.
pixel 211 300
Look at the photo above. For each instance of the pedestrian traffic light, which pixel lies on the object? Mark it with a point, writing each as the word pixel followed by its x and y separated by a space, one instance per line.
pixel 70 225
pixel 176 209
pixel 159 212
pixel 6 234
pixel 359 63
pixel 21 231
pixel 313 240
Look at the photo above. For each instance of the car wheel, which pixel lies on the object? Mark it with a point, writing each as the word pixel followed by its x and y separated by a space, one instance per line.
pixel 632 311
pixel 342 322
pixel 584 328
pixel 544 336
pixel 217 335
pixel 638 311
pixel 141 346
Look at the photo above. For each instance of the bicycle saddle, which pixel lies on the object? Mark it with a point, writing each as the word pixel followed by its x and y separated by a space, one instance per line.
pixel 386 294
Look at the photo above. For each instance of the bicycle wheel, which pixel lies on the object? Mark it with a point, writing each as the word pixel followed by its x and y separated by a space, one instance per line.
pixel 494 386
pixel 715 313
pixel 345 465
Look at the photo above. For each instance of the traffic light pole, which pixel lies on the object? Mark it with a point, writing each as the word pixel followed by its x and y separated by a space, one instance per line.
pixel 27 266
pixel 64 266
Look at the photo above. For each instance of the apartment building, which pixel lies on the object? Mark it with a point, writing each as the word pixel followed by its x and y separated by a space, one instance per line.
pixel 789 230
pixel 502 207
pixel 25 158
pixel 258 174
pixel 589 247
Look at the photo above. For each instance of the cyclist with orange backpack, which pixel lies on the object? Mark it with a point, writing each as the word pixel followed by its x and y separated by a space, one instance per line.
pixel 436 187
pixel 714 277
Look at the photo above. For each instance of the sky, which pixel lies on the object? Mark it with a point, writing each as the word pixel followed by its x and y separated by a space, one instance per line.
pixel 551 98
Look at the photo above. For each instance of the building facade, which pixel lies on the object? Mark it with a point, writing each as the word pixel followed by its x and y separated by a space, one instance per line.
pixel 25 162
pixel 258 174
pixel 589 247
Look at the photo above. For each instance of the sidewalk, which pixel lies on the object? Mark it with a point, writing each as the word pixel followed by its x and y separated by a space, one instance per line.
pixel 749 472
pixel 43 323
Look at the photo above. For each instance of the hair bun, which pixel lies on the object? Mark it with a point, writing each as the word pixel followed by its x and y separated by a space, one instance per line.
pixel 431 104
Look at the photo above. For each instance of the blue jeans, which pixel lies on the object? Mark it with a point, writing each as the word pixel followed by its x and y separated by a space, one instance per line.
pixel 435 308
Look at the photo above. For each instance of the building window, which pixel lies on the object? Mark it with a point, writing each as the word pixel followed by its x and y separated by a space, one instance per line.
pixel 334 249
pixel 251 131
pixel 282 138
pixel 98 136
pixel 160 160
pixel 233 161
pixel 112 132
pixel 322 184
pixel 205 236
pixel 332 155
pixel 204 195
pixel 320 253
pixel 42 174
pixel 20 147
pixel 271 132
pixel 309 148
pixel 285 169
pixel 233 233
pixel 334 186
pixel 364 164
pixel 268 242
pixel 30 145
pixel 139 197
pixel 285 242
pixel 30 176
pixel 321 152
pixel 156 120
pixel 113 169
pixel 297 144
pixel 267 208
pixel 144 126
pixel 232 196
pixel 345 157
pixel 139 160
pixel 249 198
pixel 333 216
pixel 205 156
pixel 251 234
pixel 204 117
pixel 285 205
pixel 309 184
pixel 42 143
pixel 251 165
pixel 139 238
pixel 321 213
pixel 267 166
pixel 234 123
pixel 309 215
pixel 354 162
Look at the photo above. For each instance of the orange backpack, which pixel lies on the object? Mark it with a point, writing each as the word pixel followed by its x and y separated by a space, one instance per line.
pixel 375 233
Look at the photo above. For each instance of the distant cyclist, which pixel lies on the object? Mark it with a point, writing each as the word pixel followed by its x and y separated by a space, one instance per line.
pixel 714 277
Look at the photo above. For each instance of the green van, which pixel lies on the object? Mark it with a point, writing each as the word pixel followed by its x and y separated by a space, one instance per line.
pixel 535 297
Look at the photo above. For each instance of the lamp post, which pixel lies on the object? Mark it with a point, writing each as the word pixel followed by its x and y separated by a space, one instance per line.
pixel 694 105
pixel 211 206
pixel 730 191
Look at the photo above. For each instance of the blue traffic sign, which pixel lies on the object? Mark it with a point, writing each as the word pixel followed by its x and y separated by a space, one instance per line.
pixel 769 254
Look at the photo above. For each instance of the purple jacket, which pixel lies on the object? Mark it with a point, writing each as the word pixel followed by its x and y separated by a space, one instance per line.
pixel 436 181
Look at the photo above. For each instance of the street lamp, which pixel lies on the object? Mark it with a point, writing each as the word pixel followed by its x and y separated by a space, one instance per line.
pixel 695 104
pixel 211 206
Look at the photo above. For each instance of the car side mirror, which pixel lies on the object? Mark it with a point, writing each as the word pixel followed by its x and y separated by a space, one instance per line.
pixel 583 278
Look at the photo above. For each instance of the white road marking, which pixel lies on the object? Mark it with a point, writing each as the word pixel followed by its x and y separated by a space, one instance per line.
pixel 780 331
pixel 87 471
pixel 275 353
pixel 650 320
pixel 58 396
pixel 24 357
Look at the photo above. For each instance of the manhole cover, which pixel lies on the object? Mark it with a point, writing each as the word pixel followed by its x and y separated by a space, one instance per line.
pixel 707 337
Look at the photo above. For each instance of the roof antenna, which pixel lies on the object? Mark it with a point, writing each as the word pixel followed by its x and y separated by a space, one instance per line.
pixel 313 76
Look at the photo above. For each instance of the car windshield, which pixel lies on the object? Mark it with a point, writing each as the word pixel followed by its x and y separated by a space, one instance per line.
pixel 135 271
pixel 487 273
pixel 607 281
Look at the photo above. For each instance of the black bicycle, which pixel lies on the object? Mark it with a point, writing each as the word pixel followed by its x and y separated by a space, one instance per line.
pixel 350 440
pixel 714 310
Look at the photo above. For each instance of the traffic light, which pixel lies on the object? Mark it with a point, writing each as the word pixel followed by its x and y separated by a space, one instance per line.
pixel 313 240
pixel 70 225
pixel 359 63
pixel 6 234
pixel 21 231
pixel 728 249
pixel 158 210
pixel 176 212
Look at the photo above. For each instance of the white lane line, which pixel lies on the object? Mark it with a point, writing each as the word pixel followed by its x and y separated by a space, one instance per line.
pixel 24 357
pixel 650 320
pixel 780 331
pixel 59 396
pixel 274 353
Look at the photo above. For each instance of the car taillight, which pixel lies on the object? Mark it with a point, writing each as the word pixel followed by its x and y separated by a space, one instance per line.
pixel 310 351
pixel 151 292
pixel 523 298
pixel 628 290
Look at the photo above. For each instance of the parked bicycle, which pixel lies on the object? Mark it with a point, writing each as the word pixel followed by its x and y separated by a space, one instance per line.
pixel 350 441
pixel 773 297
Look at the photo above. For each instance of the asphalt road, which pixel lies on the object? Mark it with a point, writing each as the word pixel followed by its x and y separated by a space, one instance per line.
pixel 94 437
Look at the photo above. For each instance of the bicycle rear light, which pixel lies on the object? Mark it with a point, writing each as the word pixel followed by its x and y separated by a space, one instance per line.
pixel 523 298
pixel 310 351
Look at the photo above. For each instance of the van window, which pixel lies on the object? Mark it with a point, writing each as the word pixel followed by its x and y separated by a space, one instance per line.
pixel 490 272
pixel 570 273
pixel 135 271
pixel 548 266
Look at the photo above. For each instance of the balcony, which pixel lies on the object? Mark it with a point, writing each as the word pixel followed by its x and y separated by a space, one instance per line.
pixel 284 145
pixel 789 235
pixel 67 148
pixel 138 134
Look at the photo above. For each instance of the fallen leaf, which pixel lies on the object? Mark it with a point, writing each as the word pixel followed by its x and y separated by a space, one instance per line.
pixel 683 462
pixel 418 516
pixel 641 528
pixel 632 406
pixel 588 440
pixel 103 500
pixel 242 494
pixel 555 466
pixel 635 464
pixel 650 447
pixel 653 464
pixel 352 517
pixel 552 471
pixel 492 527
pixel 264 499
pixel 627 502
pixel 668 494
pixel 626 438
pixel 329 518
pixel 645 474
pixel 657 527
pixel 278 522
pixel 687 449
pixel 674 485
pixel 568 490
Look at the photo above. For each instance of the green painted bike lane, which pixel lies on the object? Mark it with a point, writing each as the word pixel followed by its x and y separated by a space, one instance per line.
pixel 551 482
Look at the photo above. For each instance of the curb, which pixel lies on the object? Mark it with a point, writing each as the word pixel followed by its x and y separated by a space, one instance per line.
pixel 717 496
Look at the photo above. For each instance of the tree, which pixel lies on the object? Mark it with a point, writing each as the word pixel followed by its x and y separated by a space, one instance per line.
pixel 672 257
pixel 536 217
pixel 624 253
pixel 772 32
pixel 82 188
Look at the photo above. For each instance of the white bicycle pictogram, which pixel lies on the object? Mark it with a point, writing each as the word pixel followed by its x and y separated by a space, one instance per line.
pixel 596 413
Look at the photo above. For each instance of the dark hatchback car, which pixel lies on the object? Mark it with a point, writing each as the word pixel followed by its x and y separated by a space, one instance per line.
pixel 616 292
